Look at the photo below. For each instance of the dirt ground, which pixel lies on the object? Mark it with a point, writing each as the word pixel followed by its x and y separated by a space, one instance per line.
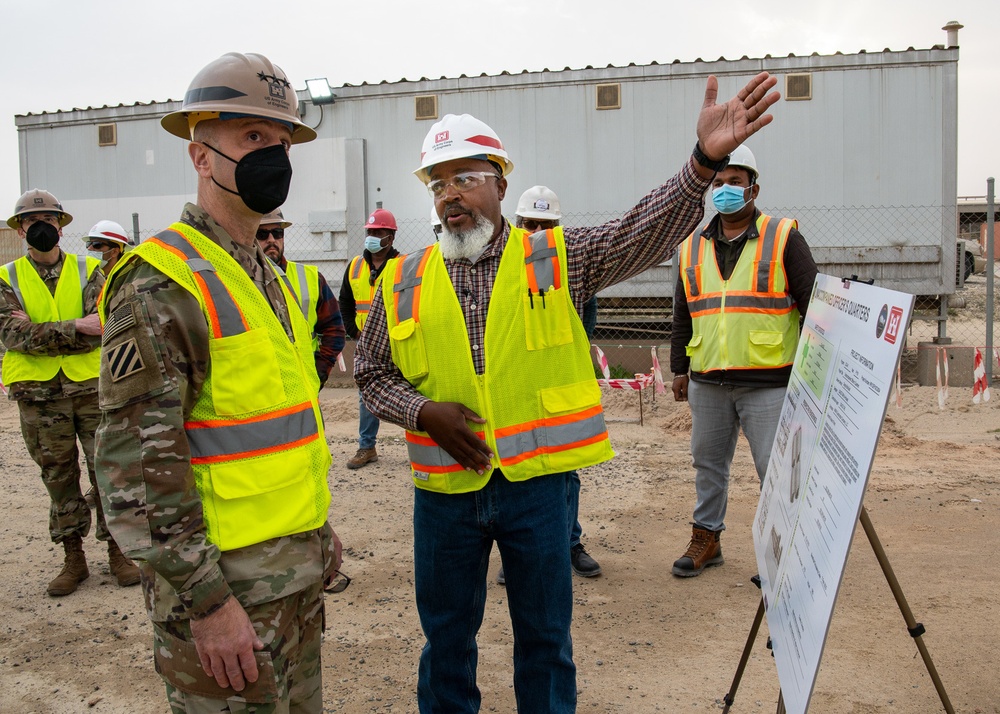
pixel 645 641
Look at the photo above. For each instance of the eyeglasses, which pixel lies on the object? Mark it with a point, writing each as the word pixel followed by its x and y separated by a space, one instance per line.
pixel 533 224
pixel 339 584
pixel 465 181
pixel 263 233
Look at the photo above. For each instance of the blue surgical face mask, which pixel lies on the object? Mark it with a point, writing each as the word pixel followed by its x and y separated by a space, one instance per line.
pixel 373 244
pixel 729 199
pixel 99 255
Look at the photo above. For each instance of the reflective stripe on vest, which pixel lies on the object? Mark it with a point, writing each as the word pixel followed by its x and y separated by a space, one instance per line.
pixel 542 262
pixel 15 285
pixel 524 441
pixel 406 285
pixel 763 296
pixel 220 440
pixel 300 274
pixel 225 316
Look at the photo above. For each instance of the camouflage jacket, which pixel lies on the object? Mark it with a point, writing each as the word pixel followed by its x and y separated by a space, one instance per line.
pixel 151 502
pixel 48 338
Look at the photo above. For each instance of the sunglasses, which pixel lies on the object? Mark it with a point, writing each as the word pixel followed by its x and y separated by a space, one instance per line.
pixel 532 224
pixel 263 233
pixel 339 584
pixel 99 245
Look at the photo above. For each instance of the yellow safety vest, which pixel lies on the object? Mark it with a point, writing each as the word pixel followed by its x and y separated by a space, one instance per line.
pixel 43 306
pixel 749 321
pixel 304 280
pixel 538 394
pixel 258 450
pixel 358 275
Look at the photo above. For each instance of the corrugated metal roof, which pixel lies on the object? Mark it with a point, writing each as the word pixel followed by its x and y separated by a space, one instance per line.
pixel 506 73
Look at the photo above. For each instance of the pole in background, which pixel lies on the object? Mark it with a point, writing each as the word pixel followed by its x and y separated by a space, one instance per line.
pixel 990 274
pixel 135 229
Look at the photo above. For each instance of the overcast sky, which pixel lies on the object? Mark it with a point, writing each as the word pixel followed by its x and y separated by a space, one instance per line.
pixel 62 54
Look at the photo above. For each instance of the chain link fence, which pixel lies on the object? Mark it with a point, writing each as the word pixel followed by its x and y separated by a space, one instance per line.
pixel 896 246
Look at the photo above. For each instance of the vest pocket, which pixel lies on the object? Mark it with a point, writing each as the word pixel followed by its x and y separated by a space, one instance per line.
pixel 765 348
pixel 547 319
pixel 246 376
pixel 247 491
pixel 570 398
pixel 407 342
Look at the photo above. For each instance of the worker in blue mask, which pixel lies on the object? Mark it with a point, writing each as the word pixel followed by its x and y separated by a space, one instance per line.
pixel 360 281
pixel 745 283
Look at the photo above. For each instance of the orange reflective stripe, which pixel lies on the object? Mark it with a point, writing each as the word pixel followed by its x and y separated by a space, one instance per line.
pixel 267 416
pixel 541 259
pixel 548 421
pixel 553 449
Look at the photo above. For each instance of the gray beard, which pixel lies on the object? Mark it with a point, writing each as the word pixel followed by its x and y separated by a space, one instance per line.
pixel 466 244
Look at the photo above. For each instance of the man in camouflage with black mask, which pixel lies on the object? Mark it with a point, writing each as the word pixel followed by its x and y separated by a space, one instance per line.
pixel 52 335
pixel 211 453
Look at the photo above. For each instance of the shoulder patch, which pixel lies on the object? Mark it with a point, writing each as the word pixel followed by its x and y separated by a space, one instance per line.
pixel 124 359
pixel 120 320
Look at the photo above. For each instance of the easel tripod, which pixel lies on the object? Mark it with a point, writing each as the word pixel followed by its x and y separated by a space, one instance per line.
pixel 915 628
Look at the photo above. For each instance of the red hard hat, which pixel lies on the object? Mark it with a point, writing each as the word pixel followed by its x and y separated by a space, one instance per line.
pixel 381 218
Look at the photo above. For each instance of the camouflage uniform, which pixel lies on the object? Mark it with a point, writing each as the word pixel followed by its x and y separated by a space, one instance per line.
pixel 155 511
pixel 57 412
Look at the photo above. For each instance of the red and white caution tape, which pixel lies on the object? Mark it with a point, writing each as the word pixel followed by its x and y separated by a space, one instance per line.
pixel 603 362
pixel 341 363
pixel 899 386
pixel 941 372
pixel 3 387
pixel 657 374
pixel 980 387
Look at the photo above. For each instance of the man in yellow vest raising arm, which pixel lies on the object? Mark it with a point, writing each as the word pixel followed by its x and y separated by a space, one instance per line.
pixel 745 281
pixel 212 457
pixel 312 293
pixel 52 335
pixel 476 347
pixel 360 283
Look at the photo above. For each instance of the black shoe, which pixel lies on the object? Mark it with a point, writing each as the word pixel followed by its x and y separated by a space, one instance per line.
pixel 583 564
pixel 501 580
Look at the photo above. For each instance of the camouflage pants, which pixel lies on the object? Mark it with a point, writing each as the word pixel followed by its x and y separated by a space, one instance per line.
pixel 50 430
pixel 290 676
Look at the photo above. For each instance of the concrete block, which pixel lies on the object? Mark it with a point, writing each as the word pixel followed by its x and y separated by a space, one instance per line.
pixel 960 360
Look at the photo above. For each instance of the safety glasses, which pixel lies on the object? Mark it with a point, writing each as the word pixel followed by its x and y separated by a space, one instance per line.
pixel 465 181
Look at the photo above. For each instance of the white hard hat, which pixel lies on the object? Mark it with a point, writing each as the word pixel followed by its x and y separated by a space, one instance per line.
pixel 435 219
pixel 744 158
pixel 539 202
pixel 461 137
pixel 109 231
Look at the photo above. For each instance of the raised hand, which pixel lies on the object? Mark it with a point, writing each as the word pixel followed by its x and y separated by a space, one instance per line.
pixel 723 127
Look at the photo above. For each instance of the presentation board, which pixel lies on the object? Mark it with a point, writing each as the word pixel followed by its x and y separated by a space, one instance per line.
pixel 830 422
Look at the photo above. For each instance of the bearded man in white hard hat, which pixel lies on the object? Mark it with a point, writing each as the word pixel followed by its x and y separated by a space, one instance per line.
pixel 212 451
pixel 741 385
pixel 476 347
pixel 51 332
pixel 106 242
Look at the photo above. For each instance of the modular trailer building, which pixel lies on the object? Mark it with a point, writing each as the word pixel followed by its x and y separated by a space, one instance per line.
pixel 862 151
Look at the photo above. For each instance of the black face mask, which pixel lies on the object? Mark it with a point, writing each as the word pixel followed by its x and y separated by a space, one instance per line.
pixel 262 177
pixel 42 236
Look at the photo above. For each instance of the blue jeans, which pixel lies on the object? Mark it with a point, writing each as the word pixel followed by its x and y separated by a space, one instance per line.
pixel 573 505
pixel 367 426
pixel 717 413
pixel 453 535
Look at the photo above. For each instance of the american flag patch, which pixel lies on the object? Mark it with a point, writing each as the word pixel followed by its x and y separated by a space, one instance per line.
pixel 119 321
pixel 124 360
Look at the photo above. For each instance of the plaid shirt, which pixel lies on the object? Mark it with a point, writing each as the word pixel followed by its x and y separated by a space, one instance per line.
pixel 597 257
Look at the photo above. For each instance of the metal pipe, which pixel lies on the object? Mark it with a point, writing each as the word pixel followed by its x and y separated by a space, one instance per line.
pixel 990 275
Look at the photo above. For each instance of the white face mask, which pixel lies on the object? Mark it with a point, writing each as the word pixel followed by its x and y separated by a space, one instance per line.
pixel 99 255
pixel 466 244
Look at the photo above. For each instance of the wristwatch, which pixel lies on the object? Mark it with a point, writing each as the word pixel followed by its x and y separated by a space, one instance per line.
pixel 715 166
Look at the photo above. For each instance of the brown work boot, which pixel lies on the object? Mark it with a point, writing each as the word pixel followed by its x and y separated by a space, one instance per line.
pixel 91 498
pixel 364 456
pixel 703 550
pixel 126 572
pixel 74 569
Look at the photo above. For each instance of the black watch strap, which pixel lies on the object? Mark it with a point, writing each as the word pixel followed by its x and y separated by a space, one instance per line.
pixel 700 157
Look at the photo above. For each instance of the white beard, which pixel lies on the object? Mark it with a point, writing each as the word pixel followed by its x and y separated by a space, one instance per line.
pixel 466 244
